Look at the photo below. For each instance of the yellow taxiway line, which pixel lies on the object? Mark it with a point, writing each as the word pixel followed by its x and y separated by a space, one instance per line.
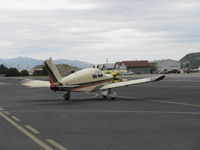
pixel 15 118
pixel 32 129
pixel 24 131
pixel 6 112
pixel 56 144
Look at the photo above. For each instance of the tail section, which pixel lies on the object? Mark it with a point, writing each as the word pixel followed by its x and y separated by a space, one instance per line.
pixel 54 75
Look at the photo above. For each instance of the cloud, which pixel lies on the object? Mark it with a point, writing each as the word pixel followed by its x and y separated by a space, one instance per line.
pixel 187 5
pixel 92 30
pixel 5 44
pixel 46 5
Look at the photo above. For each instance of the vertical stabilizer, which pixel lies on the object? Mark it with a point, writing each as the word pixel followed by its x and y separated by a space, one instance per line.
pixel 52 70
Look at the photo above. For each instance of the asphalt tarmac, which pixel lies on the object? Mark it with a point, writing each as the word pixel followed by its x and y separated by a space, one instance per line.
pixel 162 115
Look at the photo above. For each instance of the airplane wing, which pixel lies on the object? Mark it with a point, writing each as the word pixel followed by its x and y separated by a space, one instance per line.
pixel 132 82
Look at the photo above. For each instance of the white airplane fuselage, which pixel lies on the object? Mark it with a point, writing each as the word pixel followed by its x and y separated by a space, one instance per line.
pixel 88 79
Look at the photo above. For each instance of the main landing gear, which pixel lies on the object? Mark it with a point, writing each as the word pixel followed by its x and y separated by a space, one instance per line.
pixel 108 94
pixel 67 96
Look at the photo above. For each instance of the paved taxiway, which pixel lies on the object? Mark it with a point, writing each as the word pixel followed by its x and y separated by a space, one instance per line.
pixel 162 115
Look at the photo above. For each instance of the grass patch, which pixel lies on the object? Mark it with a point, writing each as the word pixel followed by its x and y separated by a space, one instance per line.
pixel 35 77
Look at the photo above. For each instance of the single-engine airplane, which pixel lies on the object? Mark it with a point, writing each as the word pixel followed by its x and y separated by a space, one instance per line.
pixel 85 80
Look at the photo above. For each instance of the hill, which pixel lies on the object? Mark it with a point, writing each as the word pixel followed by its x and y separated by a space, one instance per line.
pixel 191 60
pixel 28 63
pixel 63 69
pixel 76 63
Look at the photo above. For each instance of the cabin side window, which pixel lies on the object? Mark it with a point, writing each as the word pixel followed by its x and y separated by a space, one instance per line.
pixel 94 76
pixel 100 75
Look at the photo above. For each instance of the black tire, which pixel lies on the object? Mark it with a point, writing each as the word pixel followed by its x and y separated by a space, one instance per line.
pixel 66 96
pixel 104 96
pixel 113 98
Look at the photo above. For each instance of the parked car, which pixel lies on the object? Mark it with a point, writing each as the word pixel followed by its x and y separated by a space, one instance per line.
pixel 173 71
pixel 128 73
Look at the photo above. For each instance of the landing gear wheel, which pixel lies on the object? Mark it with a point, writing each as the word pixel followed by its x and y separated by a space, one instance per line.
pixel 113 98
pixel 104 96
pixel 67 96
pixel 108 94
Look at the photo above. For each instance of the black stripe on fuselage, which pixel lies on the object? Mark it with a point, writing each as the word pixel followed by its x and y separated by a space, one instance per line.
pixel 50 73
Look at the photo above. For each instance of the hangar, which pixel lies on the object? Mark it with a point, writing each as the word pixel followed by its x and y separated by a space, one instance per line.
pixel 137 67
pixel 160 66
pixel 109 66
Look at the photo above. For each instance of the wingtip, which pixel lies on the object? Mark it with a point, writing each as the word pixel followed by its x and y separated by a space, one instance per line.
pixel 157 78
pixel 160 78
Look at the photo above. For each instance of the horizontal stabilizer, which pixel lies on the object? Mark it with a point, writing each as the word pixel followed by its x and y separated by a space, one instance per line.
pixel 35 83
pixel 132 82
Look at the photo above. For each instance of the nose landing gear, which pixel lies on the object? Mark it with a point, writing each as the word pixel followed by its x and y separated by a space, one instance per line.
pixel 108 94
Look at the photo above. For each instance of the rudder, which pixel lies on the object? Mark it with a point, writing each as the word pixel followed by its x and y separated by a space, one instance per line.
pixel 52 70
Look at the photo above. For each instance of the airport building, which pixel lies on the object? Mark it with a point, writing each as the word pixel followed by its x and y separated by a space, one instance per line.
pixel 136 67
pixel 109 66
pixel 37 70
pixel 100 66
pixel 161 66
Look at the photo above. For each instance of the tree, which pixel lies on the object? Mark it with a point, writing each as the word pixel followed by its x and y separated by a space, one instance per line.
pixel 12 72
pixel 24 73
pixel 3 69
pixel 44 71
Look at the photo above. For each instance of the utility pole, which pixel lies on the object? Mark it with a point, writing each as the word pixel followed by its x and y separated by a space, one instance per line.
pixel 106 60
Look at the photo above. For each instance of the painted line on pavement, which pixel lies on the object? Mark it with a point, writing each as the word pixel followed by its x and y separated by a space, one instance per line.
pixel 6 112
pixel 116 111
pixel 60 147
pixel 24 131
pixel 177 103
pixel 162 101
pixel 32 129
pixel 15 118
pixel 1 109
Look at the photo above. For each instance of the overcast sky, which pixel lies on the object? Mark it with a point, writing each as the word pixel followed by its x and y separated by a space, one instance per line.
pixel 93 30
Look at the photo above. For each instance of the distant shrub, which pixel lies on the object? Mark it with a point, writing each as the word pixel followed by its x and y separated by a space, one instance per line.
pixel 3 69
pixel 24 73
pixel 12 72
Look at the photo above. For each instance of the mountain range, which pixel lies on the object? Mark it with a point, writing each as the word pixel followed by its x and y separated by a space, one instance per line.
pixel 28 63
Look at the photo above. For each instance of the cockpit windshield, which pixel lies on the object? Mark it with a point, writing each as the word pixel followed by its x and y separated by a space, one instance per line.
pixel 98 74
